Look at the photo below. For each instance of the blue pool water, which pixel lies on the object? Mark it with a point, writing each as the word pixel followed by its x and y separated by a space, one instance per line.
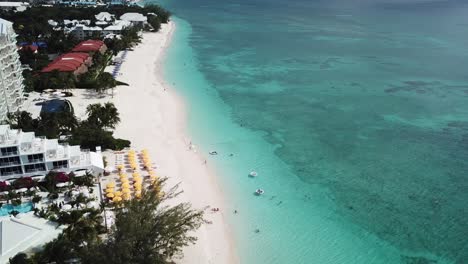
pixel 354 114
pixel 22 208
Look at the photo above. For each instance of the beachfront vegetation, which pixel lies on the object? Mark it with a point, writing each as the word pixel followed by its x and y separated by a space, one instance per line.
pixel 146 230
pixel 32 26
pixel 94 131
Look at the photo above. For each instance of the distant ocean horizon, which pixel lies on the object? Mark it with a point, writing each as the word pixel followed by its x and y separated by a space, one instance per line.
pixel 353 113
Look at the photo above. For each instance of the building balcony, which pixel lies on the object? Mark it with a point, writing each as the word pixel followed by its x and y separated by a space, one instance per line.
pixel 35 170
pixel 9 72
pixel 8 164
pixel 9 154
pixel 11 173
pixel 60 167
pixel 32 161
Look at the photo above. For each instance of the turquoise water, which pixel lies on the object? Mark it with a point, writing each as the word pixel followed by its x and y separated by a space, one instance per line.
pixel 22 208
pixel 354 114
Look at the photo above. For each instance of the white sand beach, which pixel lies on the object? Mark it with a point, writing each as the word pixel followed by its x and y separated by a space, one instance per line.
pixel 153 117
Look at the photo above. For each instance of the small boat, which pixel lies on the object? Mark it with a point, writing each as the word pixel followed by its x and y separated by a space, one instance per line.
pixel 259 192
pixel 253 174
pixel 213 152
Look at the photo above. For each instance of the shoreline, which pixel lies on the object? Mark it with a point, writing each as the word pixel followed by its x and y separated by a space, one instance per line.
pixel 153 116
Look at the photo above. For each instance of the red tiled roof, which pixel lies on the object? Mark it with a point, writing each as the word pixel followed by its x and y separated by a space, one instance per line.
pixel 67 62
pixel 88 45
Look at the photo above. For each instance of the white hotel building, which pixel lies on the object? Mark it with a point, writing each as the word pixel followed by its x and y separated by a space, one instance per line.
pixel 11 78
pixel 24 154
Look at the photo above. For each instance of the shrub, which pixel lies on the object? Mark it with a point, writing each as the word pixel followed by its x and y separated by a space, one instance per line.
pixel 53 196
pixel 14 213
pixel 120 144
pixel 16 202
pixel 36 199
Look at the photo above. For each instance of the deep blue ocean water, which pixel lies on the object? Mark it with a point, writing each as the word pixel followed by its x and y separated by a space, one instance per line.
pixel 354 114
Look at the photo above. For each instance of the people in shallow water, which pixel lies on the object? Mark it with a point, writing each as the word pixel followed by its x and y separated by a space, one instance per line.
pixel 257 230
pixel 235 211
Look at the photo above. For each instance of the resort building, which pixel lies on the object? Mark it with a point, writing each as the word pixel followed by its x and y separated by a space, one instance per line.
pixel 136 19
pixel 11 78
pixel 104 16
pixel 116 28
pixel 79 3
pixel 81 32
pixel 23 154
pixel 16 6
pixel 74 62
pixel 91 46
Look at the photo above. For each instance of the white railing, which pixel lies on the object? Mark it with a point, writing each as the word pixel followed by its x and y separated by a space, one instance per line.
pixel 35 160
pixel 34 170
pixel 9 163
pixel 10 153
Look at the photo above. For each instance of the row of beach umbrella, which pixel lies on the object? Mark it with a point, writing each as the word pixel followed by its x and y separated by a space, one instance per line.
pixel 125 193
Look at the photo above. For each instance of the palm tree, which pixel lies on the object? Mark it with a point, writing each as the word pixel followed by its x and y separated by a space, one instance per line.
pixel 106 115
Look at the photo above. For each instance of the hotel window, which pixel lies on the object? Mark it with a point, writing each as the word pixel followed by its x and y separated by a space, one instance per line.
pixel 60 164
pixel 9 161
pixel 11 171
pixel 9 151
pixel 35 158
pixel 35 167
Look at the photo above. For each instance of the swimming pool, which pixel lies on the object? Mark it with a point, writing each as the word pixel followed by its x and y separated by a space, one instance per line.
pixel 22 208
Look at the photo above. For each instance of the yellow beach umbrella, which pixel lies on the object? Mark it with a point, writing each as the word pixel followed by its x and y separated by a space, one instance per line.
pixel 126 190
pixel 117 199
pixel 127 196
pixel 109 190
pixel 138 181
pixel 110 184
pixel 120 167
pixel 125 181
pixel 125 185
pixel 110 195
pixel 118 193
pixel 137 186
pixel 138 195
pixel 135 174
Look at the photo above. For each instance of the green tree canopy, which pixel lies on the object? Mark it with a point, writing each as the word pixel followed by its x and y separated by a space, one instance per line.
pixel 106 115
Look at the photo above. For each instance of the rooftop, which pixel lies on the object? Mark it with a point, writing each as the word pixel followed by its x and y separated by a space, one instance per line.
pixel 67 62
pixel 88 45
pixel 134 17
pixel 14 234
pixel 118 25
pixel 104 16
pixel 13 4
